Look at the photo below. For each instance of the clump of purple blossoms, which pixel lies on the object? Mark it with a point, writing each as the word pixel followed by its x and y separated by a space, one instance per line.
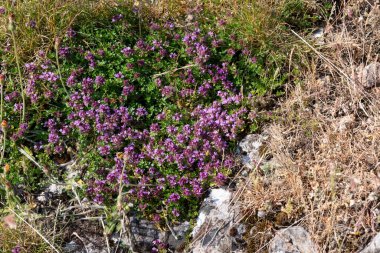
pixel 16 249
pixel 166 138
pixel 2 10
pixel 70 33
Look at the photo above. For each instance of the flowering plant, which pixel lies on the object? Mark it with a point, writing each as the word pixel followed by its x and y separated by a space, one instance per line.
pixel 153 116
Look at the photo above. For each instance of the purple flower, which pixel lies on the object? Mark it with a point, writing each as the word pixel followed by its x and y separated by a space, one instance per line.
pixel 172 129
pixel 117 18
pixel 154 127
pixel 128 89
pixel 119 75
pixel 177 116
pixel 53 138
pixel 169 25
pixel 222 22
pixel 140 63
pixel 49 76
pixel 100 80
pixel 99 199
pixel 141 111
pixel 51 124
pixel 64 130
pixel 156 218
pixel 141 44
pixel 158 82
pixel 17 107
pixel 174 197
pixel 173 55
pixel 167 91
pixel 246 52
pixel 177 36
pixel 127 51
pixel 154 26
pixel 58 149
pixel 231 51
pixel 220 178
pixel 101 52
pixel 41 53
pixel 64 52
pixel 16 249
pixel 104 150
pixel 31 24
pixel 11 96
pixel 30 67
pixel 91 58
pixel 175 212
pixel 70 33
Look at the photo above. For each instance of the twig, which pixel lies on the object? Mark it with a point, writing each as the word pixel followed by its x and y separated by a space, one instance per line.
pixel 174 70
pixel 105 236
pixel 56 45
pixel 19 73
pixel 171 230
pixel 4 143
pixel 77 206
pixel 216 232
pixel 55 220
pixel 323 57
pixel 80 238
pixel 22 151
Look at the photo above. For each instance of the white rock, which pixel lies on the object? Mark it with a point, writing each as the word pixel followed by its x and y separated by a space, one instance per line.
pixel 251 146
pixel 292 240
pixel 370 76
pixel 56 189
pixel 217 202
pixel 318 33
pixel 217 218
pixel 373 246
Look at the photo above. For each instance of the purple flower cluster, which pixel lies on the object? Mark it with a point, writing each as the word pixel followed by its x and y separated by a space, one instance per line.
pixel 16 249
pixel 170 135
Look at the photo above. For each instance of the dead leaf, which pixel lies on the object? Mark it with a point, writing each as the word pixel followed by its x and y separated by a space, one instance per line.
pixel 10 221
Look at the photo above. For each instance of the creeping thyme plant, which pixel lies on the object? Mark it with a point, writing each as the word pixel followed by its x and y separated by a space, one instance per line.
pixel 151 112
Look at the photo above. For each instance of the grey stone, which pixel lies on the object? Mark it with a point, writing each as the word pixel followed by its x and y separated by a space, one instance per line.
pixel 71 247
pixel 250 149
pixel 373 246
pixel 216 229
pixel 371 75
pixel 292 240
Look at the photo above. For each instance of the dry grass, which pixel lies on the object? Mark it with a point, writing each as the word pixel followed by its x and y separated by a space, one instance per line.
pixel 24 237
pixel 52 19
pixel 326 144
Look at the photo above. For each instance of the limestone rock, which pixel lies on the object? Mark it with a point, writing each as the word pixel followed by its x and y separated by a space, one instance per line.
pixel 292 240
pixel 251 147
pixel 373 246
pixel 216 229
pixel 371 75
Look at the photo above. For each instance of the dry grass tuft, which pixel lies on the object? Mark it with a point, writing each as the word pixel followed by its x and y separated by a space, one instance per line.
pixel 23 236
pixel 52 19
pixel 326 144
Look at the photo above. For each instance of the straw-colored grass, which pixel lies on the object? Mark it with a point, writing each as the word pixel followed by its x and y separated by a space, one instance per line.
pixel 326 143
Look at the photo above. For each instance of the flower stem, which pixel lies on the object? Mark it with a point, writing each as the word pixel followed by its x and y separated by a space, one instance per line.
pixel 59 71
pixel 20 75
